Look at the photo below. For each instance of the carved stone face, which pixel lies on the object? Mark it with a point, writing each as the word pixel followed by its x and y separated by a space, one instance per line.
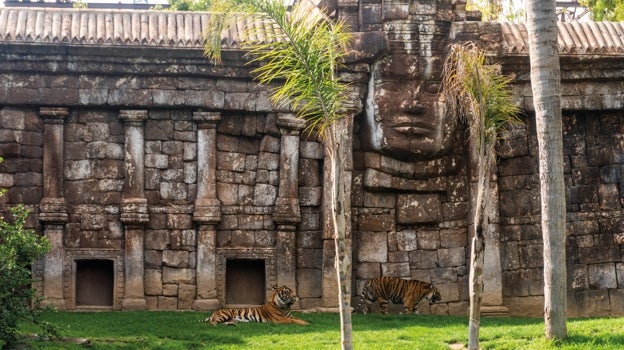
pixel 404 122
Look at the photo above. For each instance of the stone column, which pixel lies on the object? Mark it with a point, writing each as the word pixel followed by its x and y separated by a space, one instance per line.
pixel 287 213
pixel 134 208
pixel 207 211
pixel 52 209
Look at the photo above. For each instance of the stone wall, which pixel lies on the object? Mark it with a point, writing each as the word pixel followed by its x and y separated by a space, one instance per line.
pixel 593 154
pixel 167 165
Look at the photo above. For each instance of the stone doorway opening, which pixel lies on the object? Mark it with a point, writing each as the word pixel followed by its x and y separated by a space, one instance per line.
pixel 95 283
pixel 245 282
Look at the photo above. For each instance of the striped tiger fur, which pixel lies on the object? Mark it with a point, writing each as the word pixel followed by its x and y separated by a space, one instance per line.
pixel 276 310
pixel 397 290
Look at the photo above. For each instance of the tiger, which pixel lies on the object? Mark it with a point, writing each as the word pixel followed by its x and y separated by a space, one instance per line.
pixel 397 290
pixel 276 310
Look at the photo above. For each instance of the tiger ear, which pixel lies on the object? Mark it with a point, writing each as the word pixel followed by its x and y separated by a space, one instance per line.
pixel 275 287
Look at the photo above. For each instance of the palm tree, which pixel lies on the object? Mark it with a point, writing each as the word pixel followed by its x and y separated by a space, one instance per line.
pixel 476 93
pixel 301 49
pixel 545 83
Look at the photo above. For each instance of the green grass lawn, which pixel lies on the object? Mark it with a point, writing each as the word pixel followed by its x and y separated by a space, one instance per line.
pixel 183 330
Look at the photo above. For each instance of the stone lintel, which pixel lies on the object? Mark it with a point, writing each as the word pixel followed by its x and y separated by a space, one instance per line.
pixel 133 115
pixel 206 120
pixel 134 211
pixel 53 115
pixel 207 213
pixel 290 124
pixel 53 210
pixel 287 211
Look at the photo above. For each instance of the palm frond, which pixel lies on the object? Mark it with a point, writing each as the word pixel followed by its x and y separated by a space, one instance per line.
pixel 300 48
pixel 478 94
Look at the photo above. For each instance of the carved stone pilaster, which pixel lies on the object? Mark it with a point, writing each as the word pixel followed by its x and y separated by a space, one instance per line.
pixel 287 213
pixel 207 212
pixel 52 208
pixel 207 206
pixel 134 212
pixel 287 210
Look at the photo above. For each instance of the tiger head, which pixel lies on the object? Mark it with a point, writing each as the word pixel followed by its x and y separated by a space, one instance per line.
pixel 283 297
pixel 434 295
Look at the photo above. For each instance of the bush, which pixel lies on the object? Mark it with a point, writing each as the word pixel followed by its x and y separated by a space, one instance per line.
pixel 19 249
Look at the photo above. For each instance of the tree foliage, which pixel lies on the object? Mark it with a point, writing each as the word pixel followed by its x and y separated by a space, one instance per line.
pixel 189 5
pixel 19 249
pixel 605 10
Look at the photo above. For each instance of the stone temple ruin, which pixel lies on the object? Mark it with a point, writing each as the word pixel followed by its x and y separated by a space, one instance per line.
pixel 164 181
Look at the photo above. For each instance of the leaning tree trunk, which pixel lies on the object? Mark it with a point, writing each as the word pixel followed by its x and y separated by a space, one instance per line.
pixel 545 83
pixel 480 224
pixel 339 149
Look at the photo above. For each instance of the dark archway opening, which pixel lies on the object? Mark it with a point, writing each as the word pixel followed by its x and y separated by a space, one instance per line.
pixel 94 283
pixel 245 282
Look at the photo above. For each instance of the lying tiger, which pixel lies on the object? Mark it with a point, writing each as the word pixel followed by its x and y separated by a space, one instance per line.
pixel 276 310
pixel 397 290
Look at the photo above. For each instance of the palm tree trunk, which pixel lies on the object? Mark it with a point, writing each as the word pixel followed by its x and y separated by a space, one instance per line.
pixel 545 83
pixel 480 224
pixel 339 151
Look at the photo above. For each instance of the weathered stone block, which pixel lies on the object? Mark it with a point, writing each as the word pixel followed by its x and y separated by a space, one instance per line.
pixel 158 130
pixel 609 196
pixel 536 281
pixel 443 275
pixel 153 258
pixel 153 282
pixel 157 239
pixel 367 270
pixel 310 258
pixel 167 303
pixel 396 257
pixel 264 195
pixel 309 282
pixel 243 238
pixel 428 239
pixel 396 269
pixel 270 144
pixel 602 276
pixel 423 259
pixel 228 193
pixel 406 240
pixel 310 196
pixel 231 161
pixel 616 298
pixel 414 209
pixel 448 291
pixel 180 221
pixel 186 296
pixel 178 275
pixel 593 303
pixel 379 200
pixel 377 221
pixel 158 161
pixel 373 247
pixel 452 257
pixel 268 161
pixel 77 169
pixel 173 191
pixel 175 258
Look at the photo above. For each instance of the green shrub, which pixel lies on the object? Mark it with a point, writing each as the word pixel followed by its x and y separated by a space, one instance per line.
pixel 19 249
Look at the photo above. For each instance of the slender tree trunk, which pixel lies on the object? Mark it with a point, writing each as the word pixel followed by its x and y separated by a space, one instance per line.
pixel 545 83
pixel 480 224
pixel 339 151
